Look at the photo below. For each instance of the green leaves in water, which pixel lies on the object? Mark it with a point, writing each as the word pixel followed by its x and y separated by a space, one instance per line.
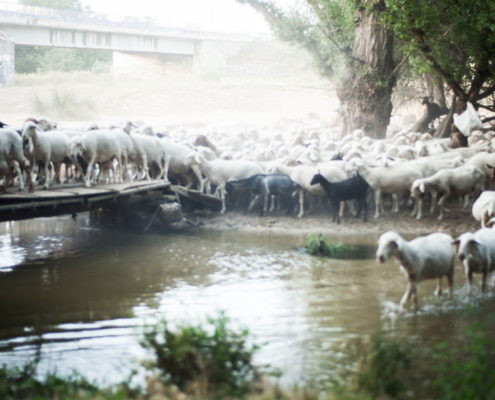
pixel 319 245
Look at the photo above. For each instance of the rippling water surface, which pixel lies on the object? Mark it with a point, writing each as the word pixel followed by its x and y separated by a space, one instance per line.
pixel 75 295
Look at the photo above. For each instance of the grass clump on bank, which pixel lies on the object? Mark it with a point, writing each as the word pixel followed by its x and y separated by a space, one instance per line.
pixel 203 357
pixel 319 245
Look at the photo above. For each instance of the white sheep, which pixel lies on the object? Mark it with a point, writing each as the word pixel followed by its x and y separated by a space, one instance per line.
pixel 46 147
pixel 426 257
pixel 396 179
pixel 477 253
pixel 219 172
pixel 464 180
pixel 12 155
pixel 484 208
pixel 182 161
pixel 97 146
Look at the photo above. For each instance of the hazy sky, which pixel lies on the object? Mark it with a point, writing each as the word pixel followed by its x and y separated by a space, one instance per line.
pixel 217 15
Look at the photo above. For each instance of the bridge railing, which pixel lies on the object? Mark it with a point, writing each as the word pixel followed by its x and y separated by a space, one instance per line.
pixel 36 14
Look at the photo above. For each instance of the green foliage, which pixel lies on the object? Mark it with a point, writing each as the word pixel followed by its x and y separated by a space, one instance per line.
pixel 383 368
pixel 31 59
pixel 21 383
pixel 73 5
pixel 455 39
pixel 210 355
pixel 467 372
pixel 63 103
pixel 319 245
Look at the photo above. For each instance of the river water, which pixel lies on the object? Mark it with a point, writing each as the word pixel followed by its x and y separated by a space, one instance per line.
pixel 75 295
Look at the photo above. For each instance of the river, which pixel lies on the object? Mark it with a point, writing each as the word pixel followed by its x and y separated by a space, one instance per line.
pixel 76 295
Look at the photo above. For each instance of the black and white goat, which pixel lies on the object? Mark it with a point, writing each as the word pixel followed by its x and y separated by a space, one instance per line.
pixel 264 186
pixel 354 188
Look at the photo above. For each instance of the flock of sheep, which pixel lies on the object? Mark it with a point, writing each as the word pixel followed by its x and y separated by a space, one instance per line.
pixel 300 165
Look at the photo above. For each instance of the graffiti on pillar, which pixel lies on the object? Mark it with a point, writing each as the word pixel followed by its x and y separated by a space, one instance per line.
pixel 6 69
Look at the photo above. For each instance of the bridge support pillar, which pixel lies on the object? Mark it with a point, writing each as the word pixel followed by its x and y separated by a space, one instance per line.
pixel 147 64
pixel 7 60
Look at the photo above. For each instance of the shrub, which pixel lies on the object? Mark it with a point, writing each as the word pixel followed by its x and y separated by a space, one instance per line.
pixel 21 383
pixel 467 372
pixel 213 354
pixel 63 103
pixel 383 368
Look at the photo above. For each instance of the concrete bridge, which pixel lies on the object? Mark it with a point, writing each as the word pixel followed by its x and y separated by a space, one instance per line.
pixel 135 42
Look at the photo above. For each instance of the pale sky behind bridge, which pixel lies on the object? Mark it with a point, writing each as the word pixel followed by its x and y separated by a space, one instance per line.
pixel 211 15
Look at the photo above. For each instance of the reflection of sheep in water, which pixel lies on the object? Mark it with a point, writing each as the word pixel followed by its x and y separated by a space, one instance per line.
pixel 426 257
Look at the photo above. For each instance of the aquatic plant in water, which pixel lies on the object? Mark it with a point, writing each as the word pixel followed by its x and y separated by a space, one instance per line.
pixel 319 245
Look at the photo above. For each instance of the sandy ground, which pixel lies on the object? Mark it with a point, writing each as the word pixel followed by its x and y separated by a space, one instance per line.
pixel 457 220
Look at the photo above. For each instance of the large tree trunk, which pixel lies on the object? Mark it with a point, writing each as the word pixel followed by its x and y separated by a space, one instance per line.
pixel 366 91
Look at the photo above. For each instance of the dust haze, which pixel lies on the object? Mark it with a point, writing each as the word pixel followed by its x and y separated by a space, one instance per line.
pixel 266 84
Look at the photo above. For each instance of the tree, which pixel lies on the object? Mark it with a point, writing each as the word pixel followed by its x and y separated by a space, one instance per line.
pixel 73 5
pixel 455 39
pixel 350 44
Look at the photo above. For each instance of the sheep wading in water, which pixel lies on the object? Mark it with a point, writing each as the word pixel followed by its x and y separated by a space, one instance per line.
pixel 426 257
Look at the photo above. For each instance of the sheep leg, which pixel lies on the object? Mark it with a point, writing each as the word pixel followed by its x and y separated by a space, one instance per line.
pixel 395 203
pixel 19 174
pixel 440 204
pixel 407 294
pixel 483 281
pixel 335 211
pixel 434 195
pixel 378 203
pixel 89 171
pixel 166 166
pixel 419 206
pixel 450 282
pixel 300 193
pixel 221 191
pixel 438 290
pixel 46 168
pixel 197 172
pixel 56 167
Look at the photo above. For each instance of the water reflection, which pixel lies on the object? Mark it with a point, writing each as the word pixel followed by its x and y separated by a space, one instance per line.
pixel 76 295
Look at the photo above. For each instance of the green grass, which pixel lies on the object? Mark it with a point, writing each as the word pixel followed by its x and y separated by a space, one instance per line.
pixel 319 245
pixel 213 360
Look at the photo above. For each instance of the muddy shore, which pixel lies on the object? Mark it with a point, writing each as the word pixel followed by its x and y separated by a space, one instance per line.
pixel 456 221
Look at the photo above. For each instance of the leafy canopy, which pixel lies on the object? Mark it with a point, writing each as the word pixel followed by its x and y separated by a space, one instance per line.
pixel 453 38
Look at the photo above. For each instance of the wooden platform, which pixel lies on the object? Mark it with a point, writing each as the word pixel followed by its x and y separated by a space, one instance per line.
pixel 69 199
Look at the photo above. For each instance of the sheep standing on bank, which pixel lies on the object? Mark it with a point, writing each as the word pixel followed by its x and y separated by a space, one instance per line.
pixel 426 257
pixel 354 188
pixel 484 209
pixel 266 186
pixel 477 253
pixel 464 181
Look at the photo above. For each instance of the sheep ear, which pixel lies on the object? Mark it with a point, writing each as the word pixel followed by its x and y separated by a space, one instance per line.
pixel 473 244
pixel 456 243
pixel 490 166
pixel 422 187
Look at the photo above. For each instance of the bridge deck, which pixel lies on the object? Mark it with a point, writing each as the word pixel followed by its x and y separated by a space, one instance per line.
pixel 64 199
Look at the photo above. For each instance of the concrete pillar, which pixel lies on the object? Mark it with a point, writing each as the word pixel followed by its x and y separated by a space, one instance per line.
pixel 149 65
pixel 7 60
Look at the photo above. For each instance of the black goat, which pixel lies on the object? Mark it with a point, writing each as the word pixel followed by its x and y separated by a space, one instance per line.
pixel 263 186
pixel 349 189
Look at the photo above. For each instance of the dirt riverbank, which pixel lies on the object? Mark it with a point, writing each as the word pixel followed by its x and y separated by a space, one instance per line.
pixel 457 220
